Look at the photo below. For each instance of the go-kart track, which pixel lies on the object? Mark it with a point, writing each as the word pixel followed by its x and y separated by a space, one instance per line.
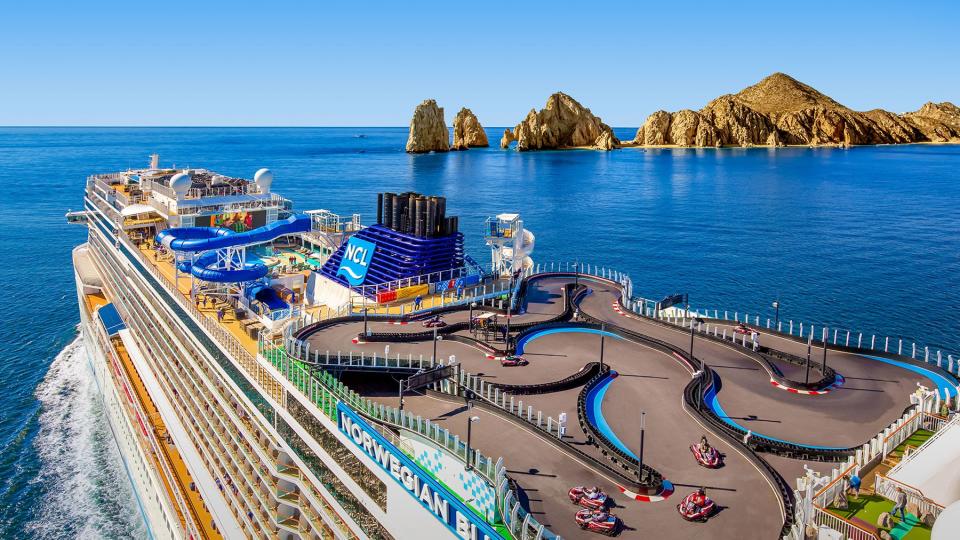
pixel 650 374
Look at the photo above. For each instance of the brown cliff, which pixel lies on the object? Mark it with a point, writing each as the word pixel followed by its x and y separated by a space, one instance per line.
pixel 562 123
pixel 467 131
pixel 779 110
pixel 428 131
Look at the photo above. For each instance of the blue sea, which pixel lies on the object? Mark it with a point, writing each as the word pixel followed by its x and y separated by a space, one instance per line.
pixel 864 238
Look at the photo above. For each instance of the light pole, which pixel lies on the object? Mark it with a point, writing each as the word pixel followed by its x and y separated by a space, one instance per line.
pixel 436 338
pixel 365 331
pixel 470 323
pixel 643 429
pixel 698 321
pixel 470 422
pixel 823 368
pixel 506 338
pixel 576 273
pixel 809 350
pixel 603 329
pixel 776 314
pixel 401 395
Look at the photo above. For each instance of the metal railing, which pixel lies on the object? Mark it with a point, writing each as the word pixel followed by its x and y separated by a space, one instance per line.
pixel 946 360
pixel 887 487
pixel 325 391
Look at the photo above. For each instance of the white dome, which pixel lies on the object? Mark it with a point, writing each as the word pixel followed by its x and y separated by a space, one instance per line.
pixel 180 183
pixel 947 524
pixel 263 178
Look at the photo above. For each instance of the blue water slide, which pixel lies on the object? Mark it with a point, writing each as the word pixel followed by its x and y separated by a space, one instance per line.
pixel 210 239
pixel 194 239
pixel 203 269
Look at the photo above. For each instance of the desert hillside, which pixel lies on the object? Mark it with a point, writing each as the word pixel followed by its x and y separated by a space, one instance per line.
pixel 780 110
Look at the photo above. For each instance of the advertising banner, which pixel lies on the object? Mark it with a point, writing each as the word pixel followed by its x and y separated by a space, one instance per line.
pixel 443 504
pixel 356 259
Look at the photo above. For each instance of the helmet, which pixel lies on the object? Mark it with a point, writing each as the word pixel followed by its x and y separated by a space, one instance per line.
pixel 702 491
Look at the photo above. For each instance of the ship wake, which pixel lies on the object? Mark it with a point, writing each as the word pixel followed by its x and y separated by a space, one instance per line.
pixel 86 490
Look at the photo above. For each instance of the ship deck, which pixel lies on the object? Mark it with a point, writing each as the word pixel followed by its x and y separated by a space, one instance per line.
pixel 651 381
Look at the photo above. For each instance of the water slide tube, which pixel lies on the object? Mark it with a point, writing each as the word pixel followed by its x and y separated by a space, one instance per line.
pixel 194 239
pixel 203 269
pixel 527 242
pixel 210 239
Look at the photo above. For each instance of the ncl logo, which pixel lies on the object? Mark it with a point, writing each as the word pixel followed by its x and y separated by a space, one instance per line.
pixel 356 260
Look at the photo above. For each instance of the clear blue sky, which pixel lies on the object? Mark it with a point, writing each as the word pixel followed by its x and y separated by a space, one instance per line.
pixel 365 63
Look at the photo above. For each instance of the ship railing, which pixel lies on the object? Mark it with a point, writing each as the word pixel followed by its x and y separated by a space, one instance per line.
pixel 157 187
pixel 197 206
pixel 325 390
pixel 189 518
pixel 223 191
pixel 833 335
pixel 885 486
pixel 848 529
pixel 226 340
pixel 933 423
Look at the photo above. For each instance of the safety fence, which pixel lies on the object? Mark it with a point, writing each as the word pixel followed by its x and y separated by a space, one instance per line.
pixel 576 380
pixel 817 500
pixel 838 337
pixel 647 477
pixel 764 355
pixel 324 390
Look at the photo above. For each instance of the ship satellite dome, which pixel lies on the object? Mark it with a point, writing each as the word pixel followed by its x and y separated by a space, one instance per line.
pixel 180 183
pixel 263 178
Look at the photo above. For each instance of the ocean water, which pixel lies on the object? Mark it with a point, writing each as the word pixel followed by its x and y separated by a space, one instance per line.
pixel 863 238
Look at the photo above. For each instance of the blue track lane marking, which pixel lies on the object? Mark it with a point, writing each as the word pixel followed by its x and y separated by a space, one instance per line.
pixel 937 379
pixel 595 414
pixel 571 330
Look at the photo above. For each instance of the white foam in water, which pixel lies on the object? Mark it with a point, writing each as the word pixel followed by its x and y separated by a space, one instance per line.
pixel 87 492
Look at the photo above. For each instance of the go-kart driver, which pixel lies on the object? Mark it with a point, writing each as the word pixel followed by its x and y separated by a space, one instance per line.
pixel 704 446
pixel 699 500
pixel 600 516
pixel 592 492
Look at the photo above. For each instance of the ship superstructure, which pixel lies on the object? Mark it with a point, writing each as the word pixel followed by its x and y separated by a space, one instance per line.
pixel 186 273
pixel 270 373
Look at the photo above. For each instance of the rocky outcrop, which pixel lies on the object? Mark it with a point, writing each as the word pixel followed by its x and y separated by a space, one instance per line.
pixel 939 122
pixel 467 131
pixel 428 131
pixel 779 110
pixel 508 137
pixel 562 123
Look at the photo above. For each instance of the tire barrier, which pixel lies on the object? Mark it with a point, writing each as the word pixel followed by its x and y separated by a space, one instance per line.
pixel 571 295
pixel 828 376
pixel 861 351
pixel 765 357
pixel 648 477
pixel 784 492
pixel 576 380
pixel 617 475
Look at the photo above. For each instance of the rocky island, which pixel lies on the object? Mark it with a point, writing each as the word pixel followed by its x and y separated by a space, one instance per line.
pixel 779 110
pixel 563 123
pixel 428 130
pixel 467 131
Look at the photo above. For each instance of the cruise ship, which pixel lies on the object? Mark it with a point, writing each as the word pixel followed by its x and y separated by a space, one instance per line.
pixel 276 373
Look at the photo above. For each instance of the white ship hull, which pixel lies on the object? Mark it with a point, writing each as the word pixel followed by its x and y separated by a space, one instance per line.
pixel 156 516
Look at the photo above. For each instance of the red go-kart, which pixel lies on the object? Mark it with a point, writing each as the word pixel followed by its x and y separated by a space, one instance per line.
pixel 513 360
pixel 598 521
pixel 710 459
pixel 434 322
pixel 580 495
pixel 743 329
pixel 691 511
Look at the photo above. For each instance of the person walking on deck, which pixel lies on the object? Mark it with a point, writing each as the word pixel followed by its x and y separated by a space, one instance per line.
pixel 899 504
